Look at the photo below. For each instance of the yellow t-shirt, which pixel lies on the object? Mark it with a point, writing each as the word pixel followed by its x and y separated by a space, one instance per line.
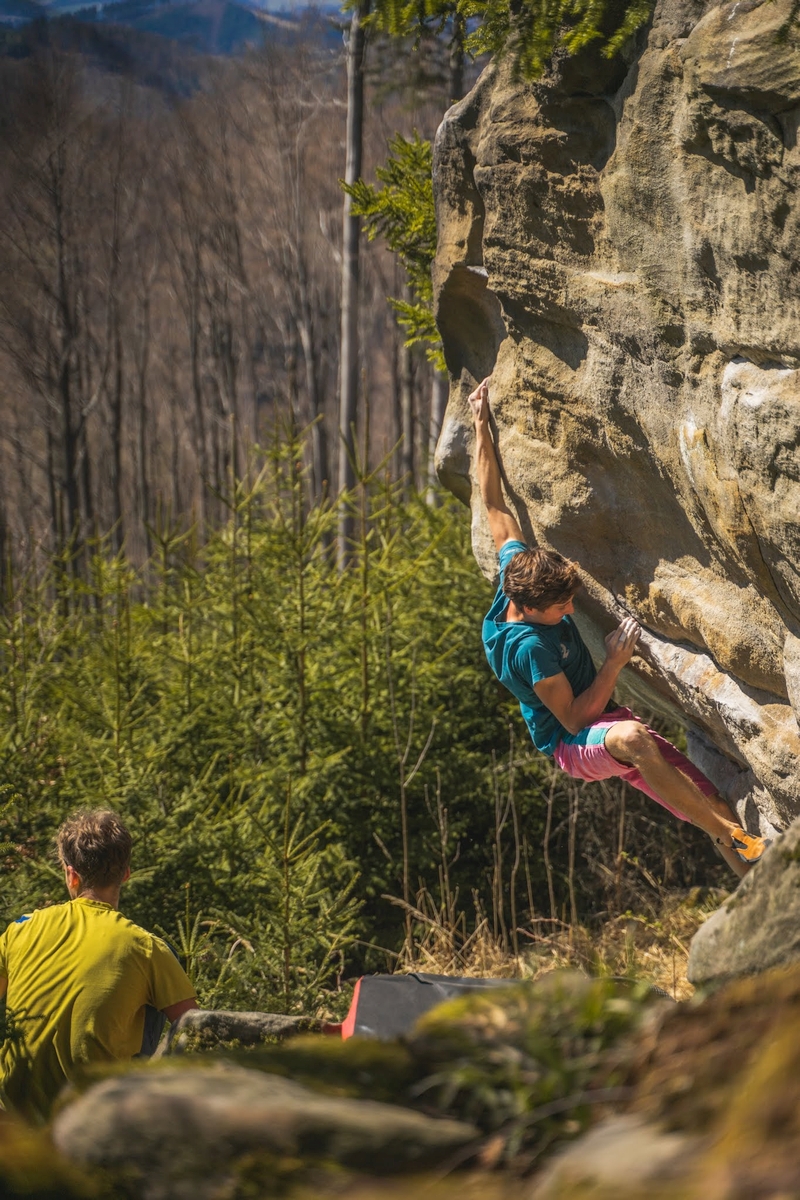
pixel 79 975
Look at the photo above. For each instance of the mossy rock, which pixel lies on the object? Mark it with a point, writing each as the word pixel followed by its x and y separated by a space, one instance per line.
pixel 30 1166
pixel 689 1066
pixel 518 1070
pixel 204 1029
pixel 358 1067
pixel 223 1130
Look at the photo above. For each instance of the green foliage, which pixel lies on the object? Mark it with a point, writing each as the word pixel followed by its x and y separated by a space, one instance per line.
pixel 296 748
pixel 357 1067
pixel 530 1061
pixel 402 211
pixel 256 716
pixel 529 32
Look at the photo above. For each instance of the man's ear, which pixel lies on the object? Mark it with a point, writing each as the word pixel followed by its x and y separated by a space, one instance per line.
pixel 72 878
pixel 127 875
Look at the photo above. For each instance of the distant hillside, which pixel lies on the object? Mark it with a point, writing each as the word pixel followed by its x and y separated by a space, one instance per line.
pixel 173 69
pixel 18 12
pixel 112 33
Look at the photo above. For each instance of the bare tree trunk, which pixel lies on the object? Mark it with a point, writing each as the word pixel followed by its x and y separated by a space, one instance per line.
pixel 142 364
pixel 319 439
pixel 4 538
pixel 456 64
pixel 407 416
pixel 438 405
pixel 201 437
pixel 421 425
pixel 67 335
pixel 53 492
pixel 115 415
pixel 348 359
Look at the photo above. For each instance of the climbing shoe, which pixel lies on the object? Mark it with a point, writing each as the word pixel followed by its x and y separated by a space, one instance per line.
pixel 748 848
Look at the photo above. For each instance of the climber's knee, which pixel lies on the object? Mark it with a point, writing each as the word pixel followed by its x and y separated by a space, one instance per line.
pixel 631 743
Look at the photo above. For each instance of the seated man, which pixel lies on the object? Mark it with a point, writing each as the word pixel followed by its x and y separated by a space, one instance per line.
pixel 77 976
pixel 535 649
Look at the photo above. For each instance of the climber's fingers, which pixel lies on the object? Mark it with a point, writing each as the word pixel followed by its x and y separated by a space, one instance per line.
pixel 479 400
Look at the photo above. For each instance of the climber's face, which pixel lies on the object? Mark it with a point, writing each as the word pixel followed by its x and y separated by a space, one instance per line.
pixel 550 615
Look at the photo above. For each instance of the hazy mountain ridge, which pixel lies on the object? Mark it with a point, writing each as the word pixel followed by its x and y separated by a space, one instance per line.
pixel 217 27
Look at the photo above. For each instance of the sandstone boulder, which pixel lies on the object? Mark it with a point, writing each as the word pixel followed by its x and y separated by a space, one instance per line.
pixel 759 926
pixel 194 1132
pixel 617 248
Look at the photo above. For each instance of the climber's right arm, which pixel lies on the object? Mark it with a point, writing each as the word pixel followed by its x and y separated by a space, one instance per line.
pixel 503 524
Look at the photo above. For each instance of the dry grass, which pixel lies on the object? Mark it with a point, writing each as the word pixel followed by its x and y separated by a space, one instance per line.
pixel 651 949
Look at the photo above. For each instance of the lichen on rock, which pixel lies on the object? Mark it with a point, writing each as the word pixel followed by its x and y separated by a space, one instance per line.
pixel 617 248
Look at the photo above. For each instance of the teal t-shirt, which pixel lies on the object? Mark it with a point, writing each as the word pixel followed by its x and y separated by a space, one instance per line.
pixel 521 654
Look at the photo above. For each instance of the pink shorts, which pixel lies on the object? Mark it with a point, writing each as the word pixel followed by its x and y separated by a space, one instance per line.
pixel 587 758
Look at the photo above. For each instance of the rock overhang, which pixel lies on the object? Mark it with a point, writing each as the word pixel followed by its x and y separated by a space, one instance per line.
pixel 619 257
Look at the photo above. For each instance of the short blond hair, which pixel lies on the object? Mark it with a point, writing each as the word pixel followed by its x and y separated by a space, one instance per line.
pixel 97 845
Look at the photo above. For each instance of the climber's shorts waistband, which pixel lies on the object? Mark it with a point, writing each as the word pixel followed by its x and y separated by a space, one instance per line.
pixel 584 756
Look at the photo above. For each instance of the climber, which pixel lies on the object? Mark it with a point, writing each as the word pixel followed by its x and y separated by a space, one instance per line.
pixel 535 649
pixel 78 976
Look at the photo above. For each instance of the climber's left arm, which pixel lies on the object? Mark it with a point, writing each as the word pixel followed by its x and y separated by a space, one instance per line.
pixel 503 524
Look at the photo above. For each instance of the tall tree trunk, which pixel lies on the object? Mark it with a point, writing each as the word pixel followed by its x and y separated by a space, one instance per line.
pixel 319 440
pixel 407 416
pixel 53 492
pixel 142 364
pixel 456 73
pixel 438 405
pixel 115 416
pixel 4 538
pixel 348 360
pixel 201 439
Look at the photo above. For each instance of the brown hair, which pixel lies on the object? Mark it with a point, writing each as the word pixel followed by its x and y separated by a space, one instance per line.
pixel 96 845
pixel 538 578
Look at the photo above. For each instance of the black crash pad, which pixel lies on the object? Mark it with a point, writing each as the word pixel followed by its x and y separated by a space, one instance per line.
pixel 387 1006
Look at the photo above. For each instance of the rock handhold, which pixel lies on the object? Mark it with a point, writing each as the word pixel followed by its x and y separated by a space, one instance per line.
pixel 759 926
pixel 188 1133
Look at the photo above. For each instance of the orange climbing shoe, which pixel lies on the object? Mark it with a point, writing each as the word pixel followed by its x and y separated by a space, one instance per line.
pixel 748 848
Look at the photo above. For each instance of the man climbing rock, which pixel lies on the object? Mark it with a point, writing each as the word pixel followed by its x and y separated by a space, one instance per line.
pixel 536 651
pixel 77 976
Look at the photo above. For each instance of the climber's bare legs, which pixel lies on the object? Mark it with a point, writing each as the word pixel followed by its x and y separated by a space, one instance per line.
pixel 630 742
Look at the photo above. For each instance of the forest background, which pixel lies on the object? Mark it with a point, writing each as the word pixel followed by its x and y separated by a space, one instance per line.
pixel 320 773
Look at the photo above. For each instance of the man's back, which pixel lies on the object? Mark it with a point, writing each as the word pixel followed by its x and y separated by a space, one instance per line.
pixel 79 975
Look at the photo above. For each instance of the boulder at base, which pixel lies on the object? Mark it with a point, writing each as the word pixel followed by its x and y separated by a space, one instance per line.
pixel 759 927
pixel 190 1133
pixel 205 1028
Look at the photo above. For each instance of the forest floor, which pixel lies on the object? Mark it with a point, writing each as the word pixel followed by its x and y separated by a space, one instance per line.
pixel 631 945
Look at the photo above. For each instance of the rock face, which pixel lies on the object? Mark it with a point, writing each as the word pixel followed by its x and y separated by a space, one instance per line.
pixel 617 248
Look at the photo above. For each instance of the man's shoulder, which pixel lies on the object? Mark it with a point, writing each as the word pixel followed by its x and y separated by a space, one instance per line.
pixel 534 646
pixel 511 549
pixel 104 925
pixel 35 918
pixel 138 934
